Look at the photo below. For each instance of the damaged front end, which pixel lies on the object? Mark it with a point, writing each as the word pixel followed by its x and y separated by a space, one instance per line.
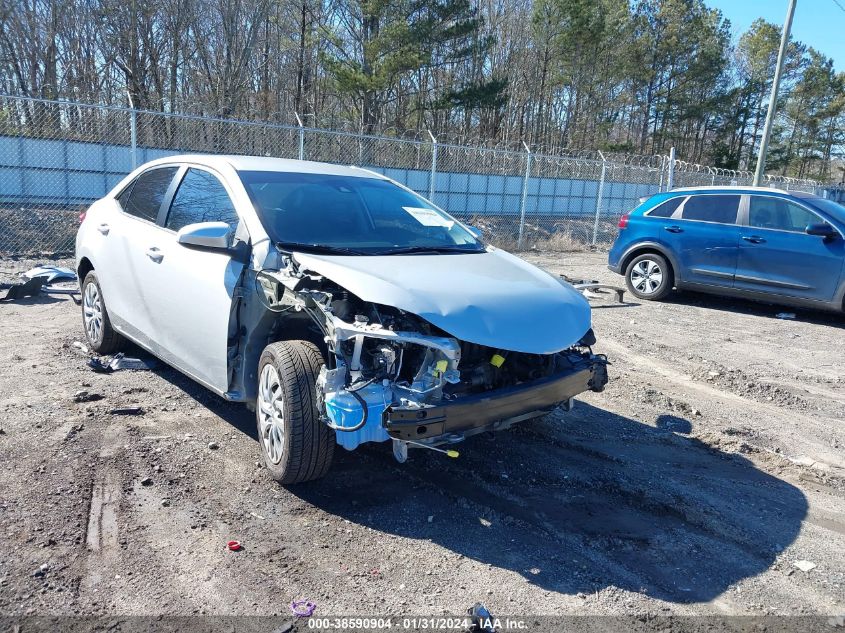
pixel 391 374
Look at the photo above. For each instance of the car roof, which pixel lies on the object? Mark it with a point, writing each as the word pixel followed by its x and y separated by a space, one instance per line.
pixel 267 163
pixel 730 189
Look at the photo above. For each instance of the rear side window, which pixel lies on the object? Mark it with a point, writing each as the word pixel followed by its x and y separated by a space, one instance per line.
pixel 722 209
pixel 776 213
pixel 200 198
pixel 666 209
pixel 147 193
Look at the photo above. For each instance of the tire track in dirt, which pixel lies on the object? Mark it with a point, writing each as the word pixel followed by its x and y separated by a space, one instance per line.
pixel 821 519
pixel 178 524
pixel 102 534
pixel 103 531
pixel 810 388
pixel 763 414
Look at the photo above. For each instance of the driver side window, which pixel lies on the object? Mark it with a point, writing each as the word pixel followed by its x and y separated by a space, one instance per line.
pixel 200 198
pixel 775 213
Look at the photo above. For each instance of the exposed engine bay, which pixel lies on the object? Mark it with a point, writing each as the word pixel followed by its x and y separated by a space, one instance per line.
pixel 381 359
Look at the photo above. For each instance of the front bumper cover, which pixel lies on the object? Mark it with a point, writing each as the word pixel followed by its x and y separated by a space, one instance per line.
pixel 497 409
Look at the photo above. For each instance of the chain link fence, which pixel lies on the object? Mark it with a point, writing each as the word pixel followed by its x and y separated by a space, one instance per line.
pixel 56 158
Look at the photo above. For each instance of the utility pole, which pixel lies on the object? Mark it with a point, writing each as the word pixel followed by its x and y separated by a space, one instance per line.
pixel 770 115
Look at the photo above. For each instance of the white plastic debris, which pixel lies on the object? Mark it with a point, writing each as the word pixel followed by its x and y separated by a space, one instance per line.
pixel 802 460
pixel 804 565
pixel 51 273
pixel 785 315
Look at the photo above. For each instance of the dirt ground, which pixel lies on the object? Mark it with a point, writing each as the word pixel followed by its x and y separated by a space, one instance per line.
pixel 713 462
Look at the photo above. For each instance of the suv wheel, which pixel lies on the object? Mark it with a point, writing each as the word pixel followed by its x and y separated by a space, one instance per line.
pixel 101 336
pixel 649 277
pixel 296 445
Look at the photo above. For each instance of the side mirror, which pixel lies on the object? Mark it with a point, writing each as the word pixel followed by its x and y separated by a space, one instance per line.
pixel 476 232
pixel 822 229
pixel 206 236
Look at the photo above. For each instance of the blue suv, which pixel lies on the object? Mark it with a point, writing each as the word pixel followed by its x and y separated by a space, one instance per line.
pixel 753 242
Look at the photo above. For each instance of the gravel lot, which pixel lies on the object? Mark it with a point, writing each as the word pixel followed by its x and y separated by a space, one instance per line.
pixel 713 462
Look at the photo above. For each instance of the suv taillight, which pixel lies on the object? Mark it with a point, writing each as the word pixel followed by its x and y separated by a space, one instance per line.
pixel 623 221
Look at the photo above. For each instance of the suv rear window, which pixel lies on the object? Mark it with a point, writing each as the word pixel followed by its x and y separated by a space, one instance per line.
pixel 147 193
pixel 667 208
pixel 712 208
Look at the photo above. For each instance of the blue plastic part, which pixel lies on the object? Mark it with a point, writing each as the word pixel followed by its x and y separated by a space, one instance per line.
pixel 344 410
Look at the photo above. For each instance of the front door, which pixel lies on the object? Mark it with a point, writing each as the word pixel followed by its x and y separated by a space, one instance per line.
pixel 776 255
pixel 195 289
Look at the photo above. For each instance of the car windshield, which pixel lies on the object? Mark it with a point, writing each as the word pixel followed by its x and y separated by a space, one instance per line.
pixel 351 215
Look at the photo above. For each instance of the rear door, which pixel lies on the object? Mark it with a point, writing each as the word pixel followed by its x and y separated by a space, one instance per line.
pixel 126 238
pixel 706 238
pixel 192 291
pixel 776 255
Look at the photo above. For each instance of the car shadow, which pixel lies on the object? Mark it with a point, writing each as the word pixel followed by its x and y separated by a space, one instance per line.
pixel 755 308
pixel 41 299
pixel 579 502
pixel 574 502
pixel 235 413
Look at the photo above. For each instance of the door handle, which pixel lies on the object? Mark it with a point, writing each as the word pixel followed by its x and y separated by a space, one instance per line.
pixel 673 229
pixel 104 229
pixel 155 254
pixel 754 239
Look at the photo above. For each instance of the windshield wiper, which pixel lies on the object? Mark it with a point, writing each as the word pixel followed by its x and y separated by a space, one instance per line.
pixel 435 250
pixel 323 249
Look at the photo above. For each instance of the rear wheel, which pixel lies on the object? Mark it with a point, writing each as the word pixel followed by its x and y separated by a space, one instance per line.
pixel 296 445
pixel 649 276
pixel 101 336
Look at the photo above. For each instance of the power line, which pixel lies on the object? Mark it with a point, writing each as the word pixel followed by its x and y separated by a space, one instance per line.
pixel 839 4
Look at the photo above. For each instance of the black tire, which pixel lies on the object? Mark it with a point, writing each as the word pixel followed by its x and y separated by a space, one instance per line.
pixel 642 275
pixel 103 340
pixel 307 448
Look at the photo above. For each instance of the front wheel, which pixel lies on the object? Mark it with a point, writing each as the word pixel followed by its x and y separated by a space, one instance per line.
pixel 649 276
pixel 296 445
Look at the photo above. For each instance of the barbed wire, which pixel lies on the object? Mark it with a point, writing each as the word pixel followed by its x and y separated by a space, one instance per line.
pixel 62 155
pixel 505 150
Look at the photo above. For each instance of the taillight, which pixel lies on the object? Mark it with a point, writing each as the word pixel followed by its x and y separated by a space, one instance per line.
pixel 82 216
pixel 623 221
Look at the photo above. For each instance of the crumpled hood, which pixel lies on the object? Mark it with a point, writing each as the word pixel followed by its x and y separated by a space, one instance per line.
pixel 492 298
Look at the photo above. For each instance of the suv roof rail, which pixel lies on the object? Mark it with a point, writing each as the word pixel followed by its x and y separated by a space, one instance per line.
pixel 732 188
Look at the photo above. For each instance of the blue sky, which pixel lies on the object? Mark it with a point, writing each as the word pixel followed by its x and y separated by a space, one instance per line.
pixel 817 23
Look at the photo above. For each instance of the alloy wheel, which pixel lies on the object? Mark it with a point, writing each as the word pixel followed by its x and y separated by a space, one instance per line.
pixel 646 276
pixel 271 413
pixel 92 306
